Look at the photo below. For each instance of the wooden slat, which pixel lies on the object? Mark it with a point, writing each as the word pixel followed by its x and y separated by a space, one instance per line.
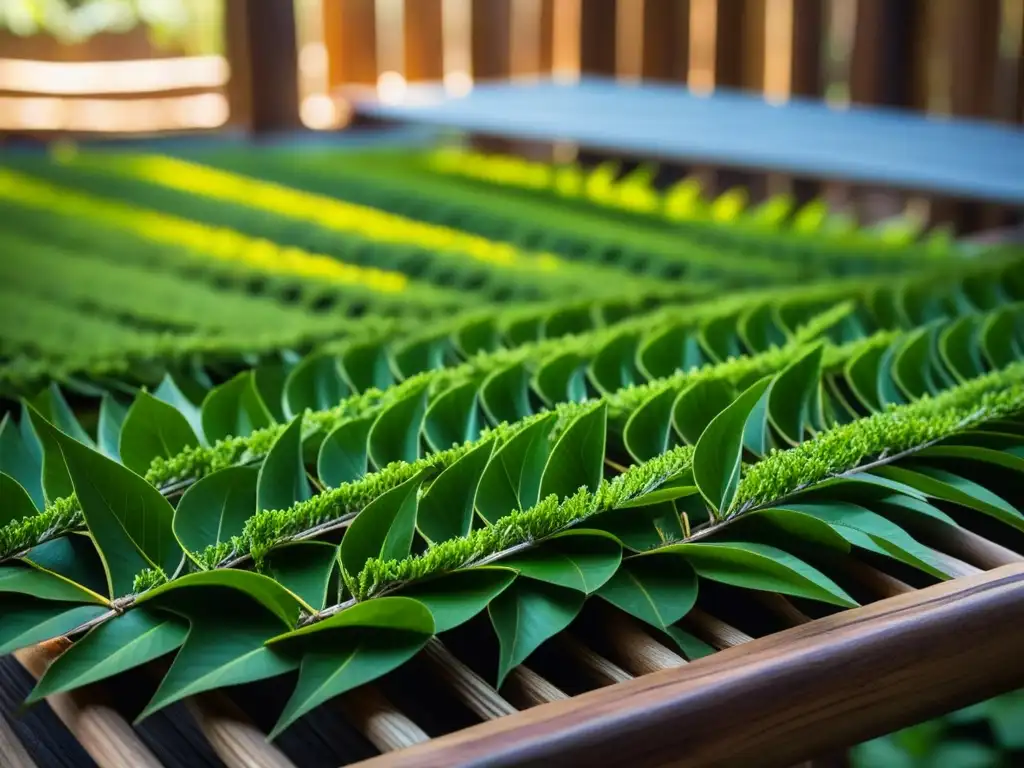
pixel 666 40
pixel 779 699
pixel 350 34
pixel 806 63
pixel 597 37
pixel 12 753
pixel 380 721
pixel 528 689
pixel 237 742
pixel 546 30
pixel 887 65
pixel 492 39
pixel 424 41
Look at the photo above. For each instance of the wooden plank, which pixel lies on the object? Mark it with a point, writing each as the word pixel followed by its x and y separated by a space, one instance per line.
pixel 350 34
pixel 778 699
pixel 597 37
pixel 546 30
pixel 807 70
pixel 262 53
pixel 424 40
pixel 887 66
pixel 666 40
pixel 491 39
pixel 729 34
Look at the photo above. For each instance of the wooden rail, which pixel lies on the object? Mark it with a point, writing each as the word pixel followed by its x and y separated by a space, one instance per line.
pixel 775 700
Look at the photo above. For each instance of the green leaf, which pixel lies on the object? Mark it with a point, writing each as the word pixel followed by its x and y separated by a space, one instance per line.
pixel 862 374
pixel 269 378
pixel 525 615
pixel 73 557
pixel 648 430
pixel 756 566
pixel 580 559
pixel 355 646
pixel 153 428
pixel 562 379
pixel 888 391
pixel 226 645
pixel 304 568
pixel 446 509
pixel 234 409
pixel 384 528
pixel 27 579
pixel 577 459
pixel 456 597
pixel 395 435
pixel 693 648
pixel 17 461
pixel 55 409
pixel 315 383
pixel 719 339
pixel 505 394
pixel 365 366
pixel 716 459
pixel 757 329
pixel 56 481
pixel 215 508
pixel 129 519
pixel 998 337
pixel 420 355
pixel 28 620
pixel 512 477
pixel 657 589
pixel 794 396
pixel 697 405
pixel 757 432
pixel 343 453
pixel 169 392
pixel 674 349
pixel 15 503
pixel 282 479
pixel 476 336
pixel 614 365
pixel 912 366
pixel 111 420
pixel 264 590
pixel 960 348
pixel 453 418
pixel 946 486
pixel 117 645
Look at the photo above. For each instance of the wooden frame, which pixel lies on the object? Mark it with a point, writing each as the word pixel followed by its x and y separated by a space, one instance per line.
pixel 779 699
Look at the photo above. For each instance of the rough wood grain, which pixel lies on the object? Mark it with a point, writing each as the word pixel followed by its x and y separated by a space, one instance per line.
pixel 780 699
pixel 237 742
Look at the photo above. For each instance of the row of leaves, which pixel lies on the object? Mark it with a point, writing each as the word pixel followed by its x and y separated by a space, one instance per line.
pixel 625 539
pixel 360 235
pixel 406 184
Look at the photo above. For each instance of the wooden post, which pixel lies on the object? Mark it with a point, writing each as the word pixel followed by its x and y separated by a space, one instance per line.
pixel 597 37
pixel 491 39
pixel 262 52
pixel 424 41
pixel 806 70
pixel 350 34
pixel 666 40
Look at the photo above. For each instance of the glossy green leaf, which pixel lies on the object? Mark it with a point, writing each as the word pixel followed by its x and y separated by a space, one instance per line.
pixel 74 557
pixel 505 394
pixel 795 395
pixel 226 645
pixel 395 435
pixel 692 647
pixel 674 349
pixel 169 392
pixel 117 645
pixel 365 366
pixel 344 453
pixel 999 337
pixel 579 559
pixel 262 589
pixel 419 355
pixel 716 459
pixel 657 589
pixel 697 405
pixel 614 365
pixel 453 418
pixel 511 479
pixel 946 486
pixel 315 383
pixel 28 620
pixel 384 528
pixel 757 432
pixel 757 566
pixel 56 481
pixel 23 578
pixel 888 391
pixel 282 478
pixel 269 378
pixel 108 429
pixel 152 429
pixel 577 458
pixel 17 461
pixel 55 409
pixel 912 365
pixel 476 336
pixel 304 568
pixel 562 379
pixel 456 597
pixel 353 647
pixel 862 374
pixel 446 509
pixel 525 615
pixel 215 508
pixel 648 430
pixel 15 502
pixel 960 349
pixel 234 409
pixel 757 329
pixel 719 339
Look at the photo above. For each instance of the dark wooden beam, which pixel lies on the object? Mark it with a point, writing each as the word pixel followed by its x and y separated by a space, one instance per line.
pixel 491 39
pixel 666 40
pixel 779 699
pixel 598 37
